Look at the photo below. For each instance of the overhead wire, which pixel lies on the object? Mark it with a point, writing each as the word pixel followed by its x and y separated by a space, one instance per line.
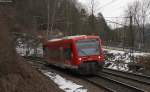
pixel 105 5
pixel 116 17
pixel 115 22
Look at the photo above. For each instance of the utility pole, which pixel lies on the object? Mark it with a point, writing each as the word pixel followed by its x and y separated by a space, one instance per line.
pixel 92 16
pixel 131 31
pixel 92 6
pixel 143 34
pixel 48 17
pixel 131 38
pixel 53 16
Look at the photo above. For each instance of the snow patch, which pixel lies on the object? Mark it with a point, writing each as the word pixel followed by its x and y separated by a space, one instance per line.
pixel 123 52
pixel 119 60
pixel 64 84
pixel 24 51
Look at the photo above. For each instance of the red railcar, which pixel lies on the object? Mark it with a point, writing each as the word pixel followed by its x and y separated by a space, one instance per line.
pixel 83 53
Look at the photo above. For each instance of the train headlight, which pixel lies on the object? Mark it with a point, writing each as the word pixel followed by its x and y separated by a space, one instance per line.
pixel 99 57
pixel 80 59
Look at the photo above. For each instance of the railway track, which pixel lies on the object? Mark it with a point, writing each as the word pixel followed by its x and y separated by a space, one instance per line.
pixel 36 63
pixel 109 80
pixel 132 79
pixel 134 76
pixel 99 84
pixel 114 85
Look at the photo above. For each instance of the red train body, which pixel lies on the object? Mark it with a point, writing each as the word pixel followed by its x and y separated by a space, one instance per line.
pixel 83 53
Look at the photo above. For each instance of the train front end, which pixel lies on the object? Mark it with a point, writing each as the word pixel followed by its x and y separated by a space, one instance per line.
pixel 90 58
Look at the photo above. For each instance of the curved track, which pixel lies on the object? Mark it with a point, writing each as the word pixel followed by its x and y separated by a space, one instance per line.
pixel 116 85
pixel 136 80
pixel 98 84
pixel 134 76
pixel 111 80
pixel 38 63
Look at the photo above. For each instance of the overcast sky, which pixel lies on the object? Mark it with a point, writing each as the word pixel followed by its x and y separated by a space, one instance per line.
pixel 110 8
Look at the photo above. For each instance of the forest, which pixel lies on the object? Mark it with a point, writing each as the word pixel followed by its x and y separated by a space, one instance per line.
pixel 31 22
pixel 25 20
pixel 54 19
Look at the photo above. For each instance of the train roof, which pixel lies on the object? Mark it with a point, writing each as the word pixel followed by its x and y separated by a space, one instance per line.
pixel 71 38
pixel 77 37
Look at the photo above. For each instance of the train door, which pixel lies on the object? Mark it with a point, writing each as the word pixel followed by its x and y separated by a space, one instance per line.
pixel 67 54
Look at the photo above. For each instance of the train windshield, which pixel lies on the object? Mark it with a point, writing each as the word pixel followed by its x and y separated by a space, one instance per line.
pixel 88 47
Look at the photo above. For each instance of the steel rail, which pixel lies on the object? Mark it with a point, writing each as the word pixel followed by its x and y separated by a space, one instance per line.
pixel 82 78
pixel 123 84
pixel 136 83
pixel 143 78
pixel 126 76
pixel 99 85
pixel 146 76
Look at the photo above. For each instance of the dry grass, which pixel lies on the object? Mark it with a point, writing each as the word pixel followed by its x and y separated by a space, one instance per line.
pixel 25 79
pixel 145 61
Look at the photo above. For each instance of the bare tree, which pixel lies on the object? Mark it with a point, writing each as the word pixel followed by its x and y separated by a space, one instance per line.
pixel 139 11
pixel 93 6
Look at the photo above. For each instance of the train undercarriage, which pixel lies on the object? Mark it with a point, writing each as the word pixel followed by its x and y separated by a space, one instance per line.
pixel 90 68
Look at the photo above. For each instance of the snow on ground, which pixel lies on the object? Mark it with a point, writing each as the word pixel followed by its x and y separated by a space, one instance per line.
pixel 123 52
pixel 22 51
pixel 64 84
pixel 116 59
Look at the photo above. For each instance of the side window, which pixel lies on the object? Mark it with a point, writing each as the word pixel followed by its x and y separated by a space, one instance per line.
pixel 54 53
pixel 67 53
